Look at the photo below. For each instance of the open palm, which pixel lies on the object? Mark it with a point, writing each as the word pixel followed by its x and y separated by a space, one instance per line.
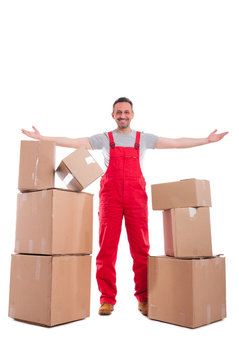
pixel 213 137
pixel 33 134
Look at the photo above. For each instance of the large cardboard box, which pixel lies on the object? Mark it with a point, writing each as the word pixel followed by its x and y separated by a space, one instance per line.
pixel 50 290
pixel 37 165
pixel 183 193
pixel 187 232
pixel 186 292
pixel 54 221
pixel 79 169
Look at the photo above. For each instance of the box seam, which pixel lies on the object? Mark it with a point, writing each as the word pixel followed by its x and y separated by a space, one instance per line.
pixel 51 290
pixel 173 225
pixel 52 222
pixel 193 294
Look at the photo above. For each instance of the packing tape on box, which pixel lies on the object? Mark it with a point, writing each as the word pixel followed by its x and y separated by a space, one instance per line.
pixel 209 313
pixel 192 212
pixel 202 262
pixel 182 317
pixel 18 275
pixel 30 246
pixel 17 246
pixel 22 198
pixel 43 244
pixel 204 184
pixel 223 311
pixel 89 160
pixel 11 310
pixel 38 268
pixel 43 194
pixel 34 174
pixel 67 179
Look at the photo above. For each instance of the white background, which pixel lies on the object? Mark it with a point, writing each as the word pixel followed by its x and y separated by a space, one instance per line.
pixel 62 65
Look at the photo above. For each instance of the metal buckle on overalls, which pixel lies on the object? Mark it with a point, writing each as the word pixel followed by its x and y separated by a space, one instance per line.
pixel 112 145
pixel 136 146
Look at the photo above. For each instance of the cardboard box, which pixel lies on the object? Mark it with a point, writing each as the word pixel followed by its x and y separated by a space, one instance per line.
pixel 189 293
pixel 37 165
pixel 187 232
pixel 50 290
pixel 183 193
pixel 78 170
pixel 54 221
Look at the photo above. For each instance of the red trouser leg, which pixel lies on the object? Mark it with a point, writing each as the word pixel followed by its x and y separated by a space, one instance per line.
pixel 110 218
pixel 137 231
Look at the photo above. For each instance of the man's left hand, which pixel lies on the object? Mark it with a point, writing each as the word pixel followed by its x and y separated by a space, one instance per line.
pixel 213 137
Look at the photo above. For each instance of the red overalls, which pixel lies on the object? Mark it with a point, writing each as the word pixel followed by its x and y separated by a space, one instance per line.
pixel 122 193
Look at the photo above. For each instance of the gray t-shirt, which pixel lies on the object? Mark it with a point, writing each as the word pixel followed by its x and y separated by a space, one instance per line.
pixel 101 142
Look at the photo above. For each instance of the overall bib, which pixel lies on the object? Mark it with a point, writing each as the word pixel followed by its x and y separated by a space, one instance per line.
pixel 122 193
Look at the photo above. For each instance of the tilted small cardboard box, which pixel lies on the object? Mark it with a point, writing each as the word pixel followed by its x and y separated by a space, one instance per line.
pixel 78 170
pixel 187 232
pixel 186 292
pixel 37 165
pixel 50 290
pixel 183 193
pixel 54 221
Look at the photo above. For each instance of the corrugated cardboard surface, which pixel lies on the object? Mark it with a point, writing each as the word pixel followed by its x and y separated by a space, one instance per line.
pixel 50 290
pixel 69 180
pixel 186 292
pixel 79 169
pixel 37 165
pixel 54 221
pixel 187 232
pixel 71 281
pixel 30 288
pixel 184 193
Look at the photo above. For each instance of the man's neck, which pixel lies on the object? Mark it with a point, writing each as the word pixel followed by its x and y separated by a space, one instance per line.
pixel 124 131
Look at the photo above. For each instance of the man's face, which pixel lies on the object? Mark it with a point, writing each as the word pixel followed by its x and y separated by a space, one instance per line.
pixel 123 114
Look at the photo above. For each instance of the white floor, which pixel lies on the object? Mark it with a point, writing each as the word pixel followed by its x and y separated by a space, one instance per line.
pixel 62 65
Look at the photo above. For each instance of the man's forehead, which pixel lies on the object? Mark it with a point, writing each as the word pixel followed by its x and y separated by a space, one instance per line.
pixel 122 106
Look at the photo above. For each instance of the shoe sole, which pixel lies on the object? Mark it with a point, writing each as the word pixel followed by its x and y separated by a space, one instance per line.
pixel 105 312
pixel 145 314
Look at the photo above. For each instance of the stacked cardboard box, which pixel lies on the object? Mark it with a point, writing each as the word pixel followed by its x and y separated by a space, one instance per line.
pixel 51 268
pixel 186 286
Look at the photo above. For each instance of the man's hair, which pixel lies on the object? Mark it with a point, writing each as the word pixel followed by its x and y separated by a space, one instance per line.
pixel 123 99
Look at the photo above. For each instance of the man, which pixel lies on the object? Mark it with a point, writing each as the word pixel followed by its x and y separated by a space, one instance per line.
pixel 122 193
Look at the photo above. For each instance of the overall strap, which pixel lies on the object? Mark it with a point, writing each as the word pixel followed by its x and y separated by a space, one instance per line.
pixel 112 143
pixel 137 140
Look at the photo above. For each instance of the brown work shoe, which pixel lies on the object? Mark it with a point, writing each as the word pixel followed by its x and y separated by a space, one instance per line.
pixel 106 309
pixel 143 307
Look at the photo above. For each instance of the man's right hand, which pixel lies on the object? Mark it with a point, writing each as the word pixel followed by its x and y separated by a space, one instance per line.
pixel 60 141
pixel 32 134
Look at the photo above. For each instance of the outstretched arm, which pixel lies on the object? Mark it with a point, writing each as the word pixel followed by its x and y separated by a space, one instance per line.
pixel 181 143
pixel 60 141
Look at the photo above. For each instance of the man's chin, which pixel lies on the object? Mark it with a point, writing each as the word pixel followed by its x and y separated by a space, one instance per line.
pixel 123 126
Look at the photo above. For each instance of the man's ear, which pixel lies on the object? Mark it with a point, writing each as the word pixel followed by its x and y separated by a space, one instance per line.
pixel 113 115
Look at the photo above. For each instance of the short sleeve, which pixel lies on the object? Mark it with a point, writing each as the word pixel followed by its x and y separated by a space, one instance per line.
pixel 98 141
pixel 150 140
